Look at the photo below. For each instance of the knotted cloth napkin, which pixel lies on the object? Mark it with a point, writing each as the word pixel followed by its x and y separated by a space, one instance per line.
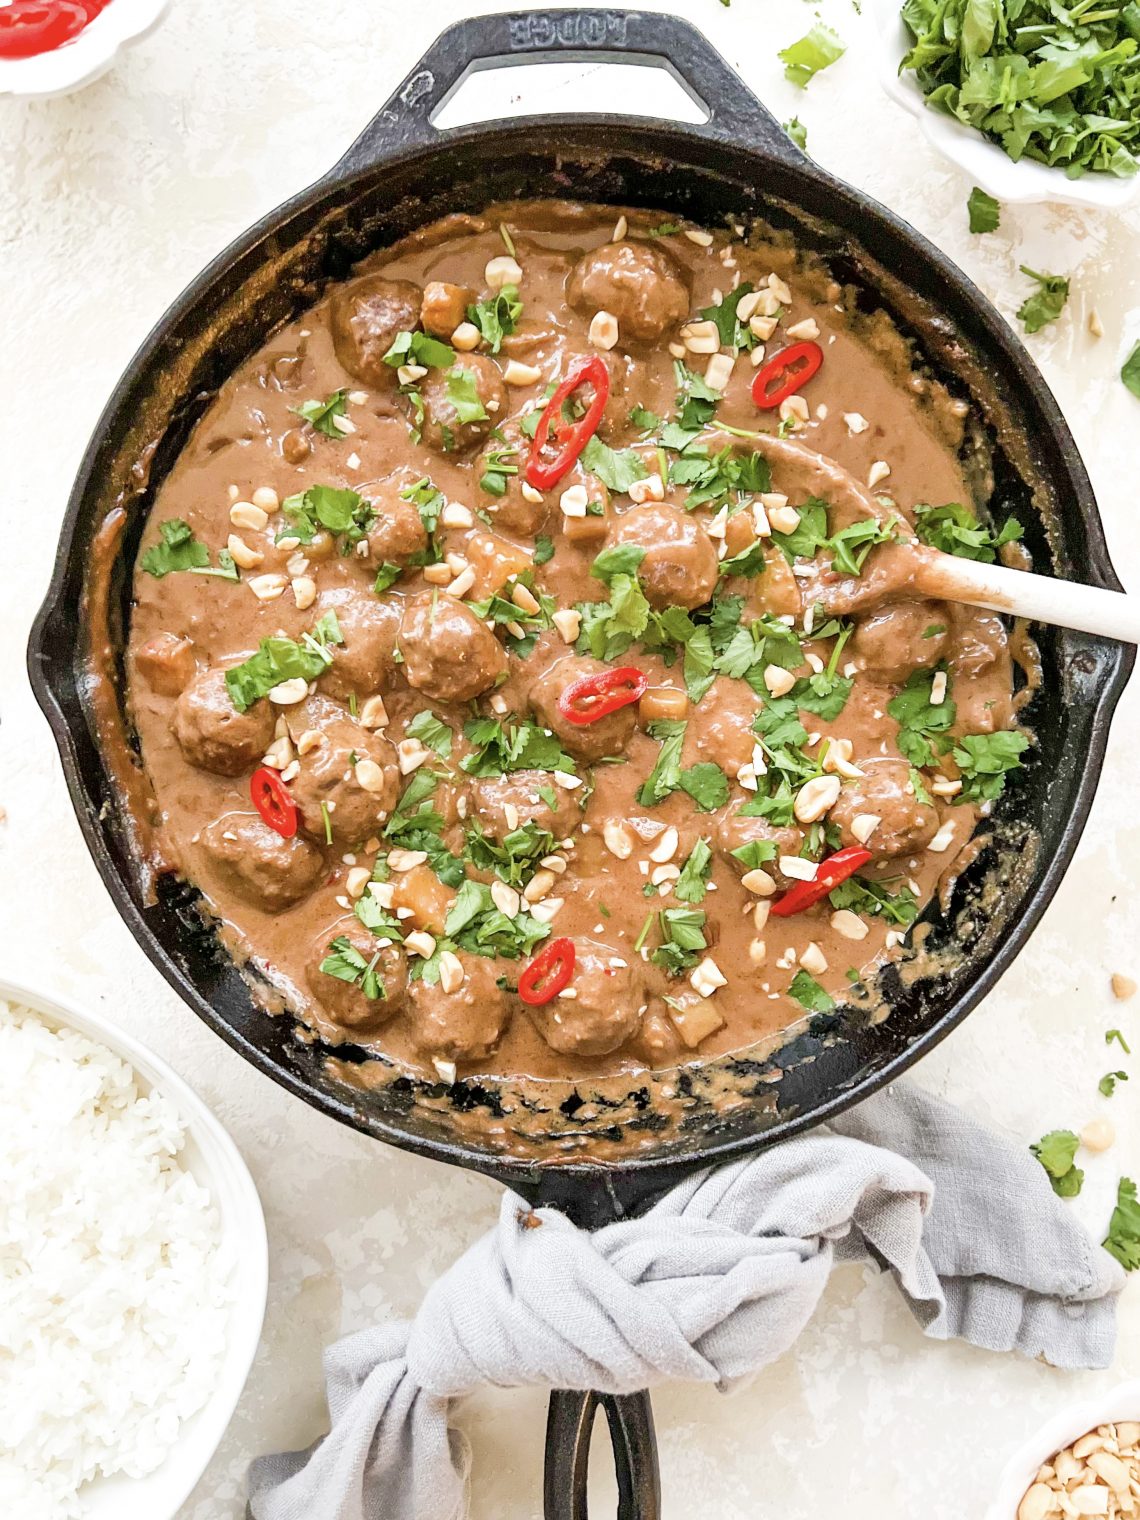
pixel 713 1283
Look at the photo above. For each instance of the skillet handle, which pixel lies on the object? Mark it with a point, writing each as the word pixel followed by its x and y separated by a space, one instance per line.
pixel 611 36
pixel 569 1425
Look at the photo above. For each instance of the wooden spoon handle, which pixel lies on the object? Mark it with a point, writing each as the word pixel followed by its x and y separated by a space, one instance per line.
pixel 1040 598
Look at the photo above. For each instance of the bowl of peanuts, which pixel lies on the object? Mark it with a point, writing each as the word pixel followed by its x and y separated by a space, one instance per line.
pixel 1085 1461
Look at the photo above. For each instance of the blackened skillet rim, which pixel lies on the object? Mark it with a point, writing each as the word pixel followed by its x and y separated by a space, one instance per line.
pixel 652 145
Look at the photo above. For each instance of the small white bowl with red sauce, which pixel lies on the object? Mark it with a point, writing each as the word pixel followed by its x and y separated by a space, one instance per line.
pixel 51 47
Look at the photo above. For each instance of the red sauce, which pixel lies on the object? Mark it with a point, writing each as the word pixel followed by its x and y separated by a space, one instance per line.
pixel 31 27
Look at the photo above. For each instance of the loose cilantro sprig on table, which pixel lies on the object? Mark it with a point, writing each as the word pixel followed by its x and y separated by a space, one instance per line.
pixel 280 659
pixel 1056 1152
pixel 1044 79
pixel 1130 371
pixel 323 414
pixel 1123 1238
pixel 178 549
pixel 1107 1084
pixel 1046 303
pixel 817 50
pixel 1111 1035
pixel 984 211
pixel 956 529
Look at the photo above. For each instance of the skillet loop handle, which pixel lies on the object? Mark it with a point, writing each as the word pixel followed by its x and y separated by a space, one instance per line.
pixel 610 36
pixel 569 1426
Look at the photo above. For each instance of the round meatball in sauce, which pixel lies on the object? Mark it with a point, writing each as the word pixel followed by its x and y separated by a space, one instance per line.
pixel 477 379
pixel 905 826
pixel 499 472
pixel 737 828
pixel 720 726
pixel 605 1011
pixel 449 654
pixel 680 565
pixel 397 531
pixel 345 1004
pixel 500 804
pixel 463 1025
pixel 904 636
pixel 212 734
pixel 639 283
pixel 255 863
pixel 348 784
pixel 588 741
pixel 365 316
pixel 370 626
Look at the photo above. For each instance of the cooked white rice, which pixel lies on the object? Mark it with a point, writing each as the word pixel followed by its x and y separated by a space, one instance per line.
pixel 114 1286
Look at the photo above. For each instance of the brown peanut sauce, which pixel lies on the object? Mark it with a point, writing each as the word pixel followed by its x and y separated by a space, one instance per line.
pixel 252 439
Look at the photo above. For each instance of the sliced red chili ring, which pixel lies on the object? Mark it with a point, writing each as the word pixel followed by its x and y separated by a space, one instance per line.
pixel 271 798
pixel 558 443
pixel 830 872
pixel 593 697
pixel 548 973
pixel 31 27
pixel 785 374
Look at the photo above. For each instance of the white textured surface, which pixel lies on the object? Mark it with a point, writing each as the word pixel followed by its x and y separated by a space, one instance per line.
pixel 109 202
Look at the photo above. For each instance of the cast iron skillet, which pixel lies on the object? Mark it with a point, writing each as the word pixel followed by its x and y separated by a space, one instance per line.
pixel 398 175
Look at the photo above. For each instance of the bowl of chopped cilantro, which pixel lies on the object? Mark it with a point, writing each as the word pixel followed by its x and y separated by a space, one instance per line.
pixel 1037 100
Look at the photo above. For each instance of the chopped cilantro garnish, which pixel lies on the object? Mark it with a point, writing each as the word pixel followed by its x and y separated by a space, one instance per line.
pixel 501 748
pixel 1047 301
pixel 347 964
pixel 419 348
pixel 1056 1152
pixel 809 994
pixel 326 819
pixel 387 575
pixel 619 559
pixel 682 939
pixel 497 316
pixel 706 784
pixel 810 535
pixel 416 825
pixel 851 545
pixel 1123 1238
pixel 734 334
pixel 322 414
pixel 463 393
pixel 1107 1084
pixel 665 777
pixel 543 549
pixel 985 760
pixel 716 477
pixel 922 725
pixel 756 853
pixel 617 469
pixel 863 895
pixel 475 924
pixel 515 857
pixel 1130 371
pixel 498 467
pixel 697 402
pixel 984 211
pixel 641 417
pixel 693 881
pixel 339 511
pixel 955 529
pixel 431 732
pixel 817 50
pixel 178 549
pixel 280 659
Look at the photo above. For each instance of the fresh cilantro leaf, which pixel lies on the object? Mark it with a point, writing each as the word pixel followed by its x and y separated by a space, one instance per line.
pixel 817 50
pixel 1047 301
pixel 419 348
pixel 383 923
pixel 641 417
pixel 499 608
pixel 797 132
pixel 347 964
pixel 498 468
pixel 431 732
pixel 863 895
pixel 777 806
pixel 715 478
pixel 665 777
pixel 706 784
pixel 985 760
pixel 387 575
pixel 416 825
pixel 619 559
pixel 665 229
pixel 1130 371
pixel 809 536
pixel 1123 1238
pixel 616 468
pixel 682 939
pixel 475 924
pixel 497 316
pixel 177 549
pixel 696 399
pixel 1115 1034
pixel 921 723
pixel 515 857
pixel 756 853
pixel 280 659
pixel 323 414
pixel 543 549
pixel 609 628
pixel 985 212
pixel 693 882
pixel 810 995
pixel 502 748
pixel 955 529
pixel 851 545
pixel 463 393
pixel 734 334
pixel 1056 1152
pixel 1107 1084
pixel 339 511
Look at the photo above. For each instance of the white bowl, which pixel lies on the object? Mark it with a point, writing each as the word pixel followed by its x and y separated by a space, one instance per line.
pixel 92 53
pixel 982 161
pixel 1120 1403
pixel 214 1160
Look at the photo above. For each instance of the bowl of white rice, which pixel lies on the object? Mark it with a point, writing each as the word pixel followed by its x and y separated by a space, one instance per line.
pixel 133 1271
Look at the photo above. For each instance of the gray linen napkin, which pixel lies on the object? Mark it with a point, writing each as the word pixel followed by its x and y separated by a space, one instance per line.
pixel 712 1284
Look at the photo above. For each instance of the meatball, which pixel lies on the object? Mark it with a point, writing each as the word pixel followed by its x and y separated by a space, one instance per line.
pixel 444 307
pixel 254 863
pixel 345 1003
pixel 507 452
pixel 212 734
pixel 443 429
pixel 397 533
pixel 979 641
pixel 492 796
pixel 638 283
pixel 449 654
pixel 166 663
pixel 737 828
pixel 905 825
pixel 464 1025
pixel 680 564
pixel 365 317
pixel 589 741
pixel 351 779
pixel 370 626
pixel 605 1010
pixel 906 635
pixel 720 727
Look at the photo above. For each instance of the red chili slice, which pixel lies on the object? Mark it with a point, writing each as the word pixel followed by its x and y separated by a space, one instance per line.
pixel 548 973
pixel 271 798
pixel 783 376
pixel 833 870
pixel 545 468
pixel 593 697
pixel 31 27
